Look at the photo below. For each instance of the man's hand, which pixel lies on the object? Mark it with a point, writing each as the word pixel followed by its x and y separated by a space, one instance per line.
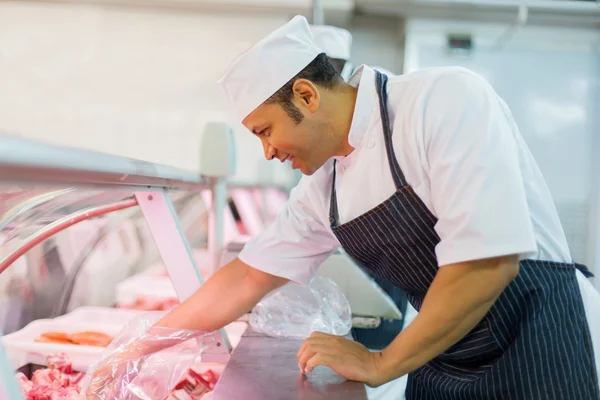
pixel 459 297
pixel 116 370
pixel 349 359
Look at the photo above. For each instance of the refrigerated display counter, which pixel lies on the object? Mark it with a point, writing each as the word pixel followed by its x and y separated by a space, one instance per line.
pixel 60 208
pixel 69 233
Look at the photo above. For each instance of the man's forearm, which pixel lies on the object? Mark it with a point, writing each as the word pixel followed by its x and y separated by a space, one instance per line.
pixel 230 293
pixel 457 300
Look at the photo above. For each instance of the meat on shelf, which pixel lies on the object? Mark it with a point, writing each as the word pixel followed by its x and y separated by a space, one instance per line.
pixel 87 338
pixel 58 382
pixel 194 385
pixel 151 303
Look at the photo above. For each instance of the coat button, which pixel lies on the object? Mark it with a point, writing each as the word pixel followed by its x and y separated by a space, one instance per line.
pixel 371 143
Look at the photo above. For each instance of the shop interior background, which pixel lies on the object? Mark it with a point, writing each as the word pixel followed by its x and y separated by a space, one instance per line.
pixel 138 78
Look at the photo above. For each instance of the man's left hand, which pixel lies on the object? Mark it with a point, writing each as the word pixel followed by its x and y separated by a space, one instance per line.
pixel 347 358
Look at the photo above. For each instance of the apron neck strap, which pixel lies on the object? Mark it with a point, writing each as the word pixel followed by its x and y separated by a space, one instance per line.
pixel 397 173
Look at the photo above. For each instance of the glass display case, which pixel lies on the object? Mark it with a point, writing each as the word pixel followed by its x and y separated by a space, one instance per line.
pixel 78 227
pixel 88 241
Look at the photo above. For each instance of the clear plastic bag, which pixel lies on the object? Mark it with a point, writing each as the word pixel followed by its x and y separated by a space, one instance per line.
pixel 144 362
pixel 295 311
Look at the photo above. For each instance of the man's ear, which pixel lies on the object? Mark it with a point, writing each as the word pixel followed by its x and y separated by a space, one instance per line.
pixel 306 94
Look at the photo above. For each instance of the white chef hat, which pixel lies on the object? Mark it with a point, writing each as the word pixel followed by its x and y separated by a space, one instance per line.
pixel 336 42
pixel 268 65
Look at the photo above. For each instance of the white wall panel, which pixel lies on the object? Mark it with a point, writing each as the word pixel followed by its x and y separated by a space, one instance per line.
pixel 550 79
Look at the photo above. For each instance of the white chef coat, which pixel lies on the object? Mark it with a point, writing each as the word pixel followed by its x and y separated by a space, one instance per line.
pixel 348 71
pixel 461 151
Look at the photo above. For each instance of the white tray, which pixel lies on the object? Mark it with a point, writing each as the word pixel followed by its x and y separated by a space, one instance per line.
pixel 22 348
pixel 120 317
pixel 103 315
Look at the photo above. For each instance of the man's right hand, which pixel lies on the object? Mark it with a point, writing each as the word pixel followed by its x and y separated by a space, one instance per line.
pixel 226 296
pixel 116 370
pixel 233 290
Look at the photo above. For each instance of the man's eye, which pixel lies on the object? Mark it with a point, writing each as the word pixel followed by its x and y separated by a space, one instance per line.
pixel 265 133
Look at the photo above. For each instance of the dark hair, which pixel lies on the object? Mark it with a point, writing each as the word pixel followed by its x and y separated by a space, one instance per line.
pixel 338 64
pixel 320 72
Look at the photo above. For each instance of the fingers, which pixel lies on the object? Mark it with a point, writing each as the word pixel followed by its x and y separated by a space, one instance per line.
pixel 318 343
pixel 310 351
pixel 314 338
pixel 104 379
pixel 99 383
pixel 316 360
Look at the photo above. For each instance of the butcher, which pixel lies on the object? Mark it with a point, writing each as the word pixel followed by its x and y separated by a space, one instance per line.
pixel 425 180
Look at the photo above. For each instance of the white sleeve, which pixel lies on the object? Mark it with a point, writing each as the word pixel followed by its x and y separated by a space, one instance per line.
pixel 477 188
pixel 298 242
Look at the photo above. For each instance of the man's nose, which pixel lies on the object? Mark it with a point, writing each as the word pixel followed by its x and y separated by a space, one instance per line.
pixel 270 152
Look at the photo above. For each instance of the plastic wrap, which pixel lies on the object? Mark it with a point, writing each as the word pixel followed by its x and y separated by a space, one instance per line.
pixel 144 362
pixel 295 311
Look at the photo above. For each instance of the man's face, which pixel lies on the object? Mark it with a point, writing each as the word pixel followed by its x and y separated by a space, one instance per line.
pixel 306 144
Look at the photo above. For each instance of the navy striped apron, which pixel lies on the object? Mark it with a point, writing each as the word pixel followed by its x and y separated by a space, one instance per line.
pixel 379 338
pixel 534 343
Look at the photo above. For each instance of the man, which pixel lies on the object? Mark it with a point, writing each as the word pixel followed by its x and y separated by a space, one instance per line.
pixel 425 180
pixel 337 44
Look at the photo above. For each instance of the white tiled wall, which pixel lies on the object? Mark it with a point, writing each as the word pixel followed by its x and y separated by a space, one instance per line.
pixel 139 83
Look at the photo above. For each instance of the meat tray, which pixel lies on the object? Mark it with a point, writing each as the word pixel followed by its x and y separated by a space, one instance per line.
pixel 22 348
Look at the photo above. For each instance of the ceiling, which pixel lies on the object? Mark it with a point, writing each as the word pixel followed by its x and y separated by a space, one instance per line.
pixel 582 13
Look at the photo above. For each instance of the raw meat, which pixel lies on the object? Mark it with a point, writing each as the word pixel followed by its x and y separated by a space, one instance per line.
pixel 55 383
pixel 79 338
pixel 91 338
pixel 194 385
pixel 180 394
pixel 59 382
pixel 77 379
pixel 150 303
pixel 25 384
pixel 211 378
pixel 55 337
pixel 61 362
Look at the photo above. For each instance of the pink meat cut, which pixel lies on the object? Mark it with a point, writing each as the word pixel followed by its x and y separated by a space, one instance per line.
pixel 58 382
pixel 194 385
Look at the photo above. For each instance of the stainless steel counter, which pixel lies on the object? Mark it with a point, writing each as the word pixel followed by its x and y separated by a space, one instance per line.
pixel 264 368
